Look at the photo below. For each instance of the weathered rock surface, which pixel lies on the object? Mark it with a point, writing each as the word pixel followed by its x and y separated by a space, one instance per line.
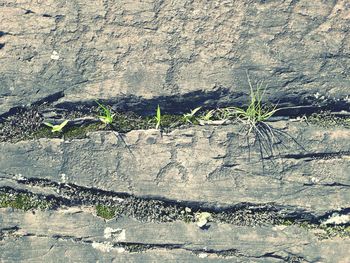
pixel 179 54
pixel 290 171
pixel 107 49
pixel 211 164
pixel 61 233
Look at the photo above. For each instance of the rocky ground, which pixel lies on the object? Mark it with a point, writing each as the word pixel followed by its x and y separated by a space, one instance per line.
pixel 194 190
pixel 277 195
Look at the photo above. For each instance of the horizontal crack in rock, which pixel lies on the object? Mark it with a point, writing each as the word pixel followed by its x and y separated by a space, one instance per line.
pixel 163 210
pixel 137 247
pixel 321 155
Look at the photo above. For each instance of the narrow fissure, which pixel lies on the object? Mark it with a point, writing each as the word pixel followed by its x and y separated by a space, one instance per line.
pixel 156 209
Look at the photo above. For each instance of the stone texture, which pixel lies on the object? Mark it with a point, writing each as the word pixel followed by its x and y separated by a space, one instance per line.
pixel 210 164
pixel 180 54
pixel 75 229
pixel 108 49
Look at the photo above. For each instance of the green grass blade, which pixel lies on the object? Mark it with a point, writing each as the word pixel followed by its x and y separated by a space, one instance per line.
pixel 103 108
pixel 193 112
pixel 158 117
pixel 61 126
pixel 48 124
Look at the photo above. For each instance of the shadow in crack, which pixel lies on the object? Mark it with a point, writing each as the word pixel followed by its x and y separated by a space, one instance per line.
pixel 270 142
pixel 172 104
pixel 2 33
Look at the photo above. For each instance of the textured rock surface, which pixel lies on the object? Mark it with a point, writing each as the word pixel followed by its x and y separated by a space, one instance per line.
pixel 50 234
pixel 107 49
pixel 203 164
pixel 210 167
pixel 269 196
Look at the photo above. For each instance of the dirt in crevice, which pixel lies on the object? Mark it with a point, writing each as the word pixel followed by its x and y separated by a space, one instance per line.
pixel 111 205
pixel 28 123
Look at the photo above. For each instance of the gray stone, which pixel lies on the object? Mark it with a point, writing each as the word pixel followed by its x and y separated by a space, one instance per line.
pixel 78 230
pixel 107 50
pixel 209 164
pixel 179 54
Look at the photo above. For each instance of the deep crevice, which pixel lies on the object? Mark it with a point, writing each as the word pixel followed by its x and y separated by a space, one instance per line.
pixel 23 123
pixel 42 102
pixel 311 156
pixel 73 195
pixel 220 97
pixel 173 104
pixel 3 33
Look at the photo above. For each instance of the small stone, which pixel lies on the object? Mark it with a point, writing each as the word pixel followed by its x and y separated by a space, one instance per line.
pixel 202 218
pixel 202 255
pixel 54 55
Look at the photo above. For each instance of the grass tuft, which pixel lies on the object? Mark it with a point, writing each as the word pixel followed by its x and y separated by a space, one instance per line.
pixel 256 112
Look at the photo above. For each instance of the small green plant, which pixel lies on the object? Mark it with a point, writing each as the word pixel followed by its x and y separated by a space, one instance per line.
pixel 158 117
pixel 254 118
pixel 190 117
pixel 56 128
pixel 107 118
pixel 208 116
pixel 255 112
pixel 226 113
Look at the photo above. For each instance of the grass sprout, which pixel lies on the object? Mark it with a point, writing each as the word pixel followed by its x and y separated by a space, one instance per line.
pixel 190 117
pixel 158 117
pixel 208 116
pixel 56 128
pixel 226 113
pixel 107 118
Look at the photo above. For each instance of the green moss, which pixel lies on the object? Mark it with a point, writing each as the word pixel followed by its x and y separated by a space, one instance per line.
pixel 43 132
pixel 23 202
pixel 105 212
pixel 170 121
pixel 321 231
pixel 287 223
pixel 79 132
pixel 137 248
pixel 130 121
pixel 121 123
pixel 333 231
pixel 74 132
pixel 328 120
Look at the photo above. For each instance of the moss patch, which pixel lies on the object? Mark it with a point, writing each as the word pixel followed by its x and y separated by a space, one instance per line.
pixel 81 131
pixel 328 120
pixel 321 231
pixel 23 202
pixel 130 121
pixel 106 212
pixel 78 132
